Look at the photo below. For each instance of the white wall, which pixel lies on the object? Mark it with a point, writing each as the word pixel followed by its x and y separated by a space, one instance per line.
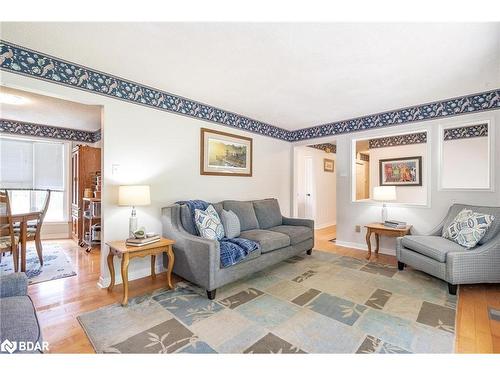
pixel 324 186
pixel 462 163
pixel 423 218
pixel 162 150
pixel 404 194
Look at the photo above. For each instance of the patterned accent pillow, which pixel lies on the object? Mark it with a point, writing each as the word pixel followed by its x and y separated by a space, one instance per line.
pixel 231 224
pixel 208 223
pixel 468 228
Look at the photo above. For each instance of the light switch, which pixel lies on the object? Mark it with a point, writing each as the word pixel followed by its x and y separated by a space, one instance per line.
pixel 115 168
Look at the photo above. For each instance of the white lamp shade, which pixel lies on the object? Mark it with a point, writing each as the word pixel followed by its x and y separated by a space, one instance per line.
pixel 384 193
pixel 134 195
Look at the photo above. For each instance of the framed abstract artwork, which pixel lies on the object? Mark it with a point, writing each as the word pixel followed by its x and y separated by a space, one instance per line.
pixel 328 165
pixel 401 171
pixel 225 154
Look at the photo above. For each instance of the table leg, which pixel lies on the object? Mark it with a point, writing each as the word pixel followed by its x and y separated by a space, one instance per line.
pixel 111 270
pixel 170 267
pixel 368 243
pixel 153 264
pixel 24 230
pixel 377 241
pixel 125 261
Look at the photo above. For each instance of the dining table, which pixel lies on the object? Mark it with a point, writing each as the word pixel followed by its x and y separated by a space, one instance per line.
pixel 22 217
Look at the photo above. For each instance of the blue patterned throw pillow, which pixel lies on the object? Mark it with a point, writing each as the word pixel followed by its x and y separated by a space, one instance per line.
pixel 468 228
pixel 208 223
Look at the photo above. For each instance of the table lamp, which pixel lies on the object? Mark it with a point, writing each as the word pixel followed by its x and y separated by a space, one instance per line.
pixel 384 194
pixel 133 195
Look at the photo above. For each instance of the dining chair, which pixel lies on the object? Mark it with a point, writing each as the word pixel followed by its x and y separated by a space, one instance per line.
pixel 9 240
pixel 34 228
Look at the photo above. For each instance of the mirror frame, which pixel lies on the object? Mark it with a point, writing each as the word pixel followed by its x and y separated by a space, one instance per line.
pixel 491 153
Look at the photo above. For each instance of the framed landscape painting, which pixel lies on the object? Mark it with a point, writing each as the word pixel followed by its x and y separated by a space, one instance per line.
pixel 401 171
pixel 225 154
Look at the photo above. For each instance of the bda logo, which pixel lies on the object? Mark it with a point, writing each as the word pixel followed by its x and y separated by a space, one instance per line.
pixel 8 346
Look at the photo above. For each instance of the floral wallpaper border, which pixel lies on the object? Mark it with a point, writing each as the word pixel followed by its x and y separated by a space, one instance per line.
pixel 398 140
pixel 21 60
pixel 47 131
pixel 470 131
pixel 38 65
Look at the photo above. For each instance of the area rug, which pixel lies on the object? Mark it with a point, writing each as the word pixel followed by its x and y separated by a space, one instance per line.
pixel 56 264
pixel 323 303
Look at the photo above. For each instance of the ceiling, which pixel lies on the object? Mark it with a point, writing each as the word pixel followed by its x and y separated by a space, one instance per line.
pixel 46 110
pixel 291 75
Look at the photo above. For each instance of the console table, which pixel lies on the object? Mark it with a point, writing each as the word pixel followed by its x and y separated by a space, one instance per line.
pixel 120 249
pixel 380 229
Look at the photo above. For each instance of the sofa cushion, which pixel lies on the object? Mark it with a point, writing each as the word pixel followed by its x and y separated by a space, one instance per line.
pixel 245 212
pixel 434 247
pixel 268 213
pixel 296 233
pixel 231 224
pixel 19 322
pixel 268 240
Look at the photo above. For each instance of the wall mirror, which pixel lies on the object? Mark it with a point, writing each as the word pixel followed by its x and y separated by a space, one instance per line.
pixel 465 156
pixel 398 161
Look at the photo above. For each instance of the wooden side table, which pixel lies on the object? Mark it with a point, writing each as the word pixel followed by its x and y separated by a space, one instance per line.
pixel 380 229
pixel 120 249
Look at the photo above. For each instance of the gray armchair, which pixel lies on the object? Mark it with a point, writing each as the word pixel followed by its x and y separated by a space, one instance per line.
pixel 449 261
pixel 18 322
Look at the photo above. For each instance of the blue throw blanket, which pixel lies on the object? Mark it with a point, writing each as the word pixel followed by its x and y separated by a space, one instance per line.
pixel 232 250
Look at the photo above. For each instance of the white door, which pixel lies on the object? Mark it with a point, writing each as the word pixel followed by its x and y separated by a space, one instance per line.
pixel 309 186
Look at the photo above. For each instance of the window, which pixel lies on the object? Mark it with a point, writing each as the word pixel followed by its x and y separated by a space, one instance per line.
pixel 27 164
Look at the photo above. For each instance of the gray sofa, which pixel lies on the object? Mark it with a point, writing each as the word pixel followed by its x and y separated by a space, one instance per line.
pixel 18 320
pixel 198 259
pixel 448 260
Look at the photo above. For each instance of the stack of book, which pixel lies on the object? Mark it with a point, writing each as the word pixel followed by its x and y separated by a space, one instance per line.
pixel 395 224
pixel 142 241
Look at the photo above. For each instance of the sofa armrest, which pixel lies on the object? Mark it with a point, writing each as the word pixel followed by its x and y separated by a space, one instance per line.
pixel 196 259
pixel 15 284
pixel 299 222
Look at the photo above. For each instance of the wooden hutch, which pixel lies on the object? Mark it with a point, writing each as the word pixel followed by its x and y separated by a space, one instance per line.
pixel 85 163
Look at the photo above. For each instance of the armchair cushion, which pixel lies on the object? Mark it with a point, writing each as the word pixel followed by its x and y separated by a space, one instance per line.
pixel 296 233
pixel 434 247
pixel 468 228
pixel 19 321
pixel 267 239
pixel 491 233
pixel 13 284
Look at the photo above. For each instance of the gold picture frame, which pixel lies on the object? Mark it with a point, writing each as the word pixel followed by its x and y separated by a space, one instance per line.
pixel 328 165
pixel 225 154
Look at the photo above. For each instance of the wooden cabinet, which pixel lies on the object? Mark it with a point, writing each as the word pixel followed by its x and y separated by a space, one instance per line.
pixel 85 162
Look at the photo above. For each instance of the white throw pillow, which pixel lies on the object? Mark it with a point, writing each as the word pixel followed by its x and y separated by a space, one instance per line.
pixel 231 223
pixel 208 223
pixel 468 228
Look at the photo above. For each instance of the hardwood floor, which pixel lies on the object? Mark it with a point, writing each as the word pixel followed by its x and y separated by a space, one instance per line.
pixel 59 302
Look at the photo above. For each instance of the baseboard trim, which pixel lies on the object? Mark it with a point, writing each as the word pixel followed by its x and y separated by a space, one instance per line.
pixel 132 275
pixel 361 246
pixel 325 225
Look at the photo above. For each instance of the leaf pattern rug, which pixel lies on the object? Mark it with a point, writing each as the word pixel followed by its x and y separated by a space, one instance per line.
pixel 323 303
